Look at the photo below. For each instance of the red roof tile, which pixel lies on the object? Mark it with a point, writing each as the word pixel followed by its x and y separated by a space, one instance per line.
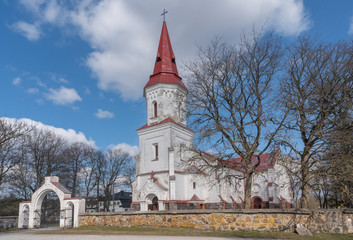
pixel 61 187
pixel 165 69
pixel 195 198
pixel 267 161
pixel 169 119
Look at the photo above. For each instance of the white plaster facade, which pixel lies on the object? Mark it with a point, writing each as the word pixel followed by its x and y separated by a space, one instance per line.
pixel 70 208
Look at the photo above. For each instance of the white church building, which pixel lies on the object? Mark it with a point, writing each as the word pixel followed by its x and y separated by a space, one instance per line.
pixel 163 180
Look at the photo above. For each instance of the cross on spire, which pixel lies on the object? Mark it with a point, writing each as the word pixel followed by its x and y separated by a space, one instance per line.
pixel 163 14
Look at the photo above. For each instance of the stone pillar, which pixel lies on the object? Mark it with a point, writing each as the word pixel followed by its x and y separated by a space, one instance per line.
pixel 270 195
pixel 143 206
pixel 62 216
pixel 20 216
pixel 173 206
pixel 171 174
pixel 161 205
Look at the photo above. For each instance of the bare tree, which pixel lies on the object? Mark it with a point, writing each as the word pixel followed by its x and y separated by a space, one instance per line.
pixel 44 156
pixel 21 180
pixel 339 159
pixel 11 145
pixel 76 155
pixel 317 82
pixel 91 172
pixel 229 102
pixel 116 163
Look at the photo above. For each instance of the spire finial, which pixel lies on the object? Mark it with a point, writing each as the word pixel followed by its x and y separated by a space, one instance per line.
pixel 163 14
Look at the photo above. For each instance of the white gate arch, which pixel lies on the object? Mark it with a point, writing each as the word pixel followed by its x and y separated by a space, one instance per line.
pixel 33 207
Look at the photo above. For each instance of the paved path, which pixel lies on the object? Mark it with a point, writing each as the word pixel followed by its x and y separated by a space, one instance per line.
pixel 33 235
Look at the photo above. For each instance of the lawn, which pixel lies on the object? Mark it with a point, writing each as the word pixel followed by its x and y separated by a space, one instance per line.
pixel 145 230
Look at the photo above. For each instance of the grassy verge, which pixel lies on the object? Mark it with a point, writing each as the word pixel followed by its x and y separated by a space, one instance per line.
pixel 143 230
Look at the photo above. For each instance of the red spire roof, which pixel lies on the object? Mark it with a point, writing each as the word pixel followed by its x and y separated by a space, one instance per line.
pixel 165 69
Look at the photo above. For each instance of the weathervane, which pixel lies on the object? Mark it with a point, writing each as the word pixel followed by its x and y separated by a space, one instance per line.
pixel 163 14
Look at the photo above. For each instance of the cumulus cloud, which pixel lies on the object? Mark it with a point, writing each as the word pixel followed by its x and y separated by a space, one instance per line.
pixel 124 34
pixel 69 135
pixel 350 31
pixel 30 31
pixel 32 90
pixel 63 96
pixel 132 150
pixel 16 81
pixel 104 114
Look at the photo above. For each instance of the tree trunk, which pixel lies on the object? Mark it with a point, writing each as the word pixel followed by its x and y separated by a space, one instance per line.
pixel 247 190
pixel 305 188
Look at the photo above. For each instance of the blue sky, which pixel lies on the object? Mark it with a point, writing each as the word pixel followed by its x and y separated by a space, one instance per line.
pixel 82 65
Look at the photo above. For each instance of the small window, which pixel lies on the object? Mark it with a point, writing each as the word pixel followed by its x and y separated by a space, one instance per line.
pixel 155 109
pixel 158 59
pixel 194 185
pixel 173 60
pixel 156 151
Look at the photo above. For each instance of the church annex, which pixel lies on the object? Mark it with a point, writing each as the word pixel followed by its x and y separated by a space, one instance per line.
pixel 163 181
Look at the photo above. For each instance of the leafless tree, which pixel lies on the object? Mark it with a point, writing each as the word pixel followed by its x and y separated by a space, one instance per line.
pixel 130 176
pixel 116 163
pixel 76 156
pixel 229 102
pixel 316 84
pixel 339 159
pixel 44 156
pixel 91 172
pixel 11 145
pixel 21 180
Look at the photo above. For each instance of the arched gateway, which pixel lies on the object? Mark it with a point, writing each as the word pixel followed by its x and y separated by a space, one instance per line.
pixel 70 208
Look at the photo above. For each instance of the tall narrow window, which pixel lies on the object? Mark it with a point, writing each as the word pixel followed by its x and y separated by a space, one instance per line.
pixel 194 185
pixel 155 109
pixel 155 151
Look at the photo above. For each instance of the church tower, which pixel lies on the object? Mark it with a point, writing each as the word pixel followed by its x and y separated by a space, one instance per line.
pixel 164 134
pixel 165 92
pixel 164 178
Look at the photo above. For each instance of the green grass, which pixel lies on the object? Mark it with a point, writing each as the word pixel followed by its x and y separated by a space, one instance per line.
pixel 144 230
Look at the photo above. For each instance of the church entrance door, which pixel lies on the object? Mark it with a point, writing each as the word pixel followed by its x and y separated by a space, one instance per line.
pixel 257 202
pixel 153 203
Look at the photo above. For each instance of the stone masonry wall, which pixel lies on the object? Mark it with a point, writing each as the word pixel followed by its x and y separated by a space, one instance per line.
pixel 337 221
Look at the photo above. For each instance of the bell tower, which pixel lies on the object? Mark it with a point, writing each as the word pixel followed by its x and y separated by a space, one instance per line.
pixel 165 134
pixel 165 92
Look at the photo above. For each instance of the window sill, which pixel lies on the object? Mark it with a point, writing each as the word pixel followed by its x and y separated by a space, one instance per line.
pixel 156 159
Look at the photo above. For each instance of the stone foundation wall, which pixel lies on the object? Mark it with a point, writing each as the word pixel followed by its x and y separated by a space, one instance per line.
pixel 337 221
pixel 8 222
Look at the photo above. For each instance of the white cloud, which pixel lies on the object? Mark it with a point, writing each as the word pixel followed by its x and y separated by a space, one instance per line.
pixel 104 114
pixel 16 81
pixel 124 34
pixel 63 80
pixel 29 31
pixel 32 90
pixel 350 31
pixel 69 135
pixel 63 96
pixel 132 150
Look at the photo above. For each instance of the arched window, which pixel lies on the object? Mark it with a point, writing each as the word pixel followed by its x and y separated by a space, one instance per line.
pixel 155 109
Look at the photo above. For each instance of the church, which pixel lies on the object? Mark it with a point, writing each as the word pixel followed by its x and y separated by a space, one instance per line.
pixel 163 180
